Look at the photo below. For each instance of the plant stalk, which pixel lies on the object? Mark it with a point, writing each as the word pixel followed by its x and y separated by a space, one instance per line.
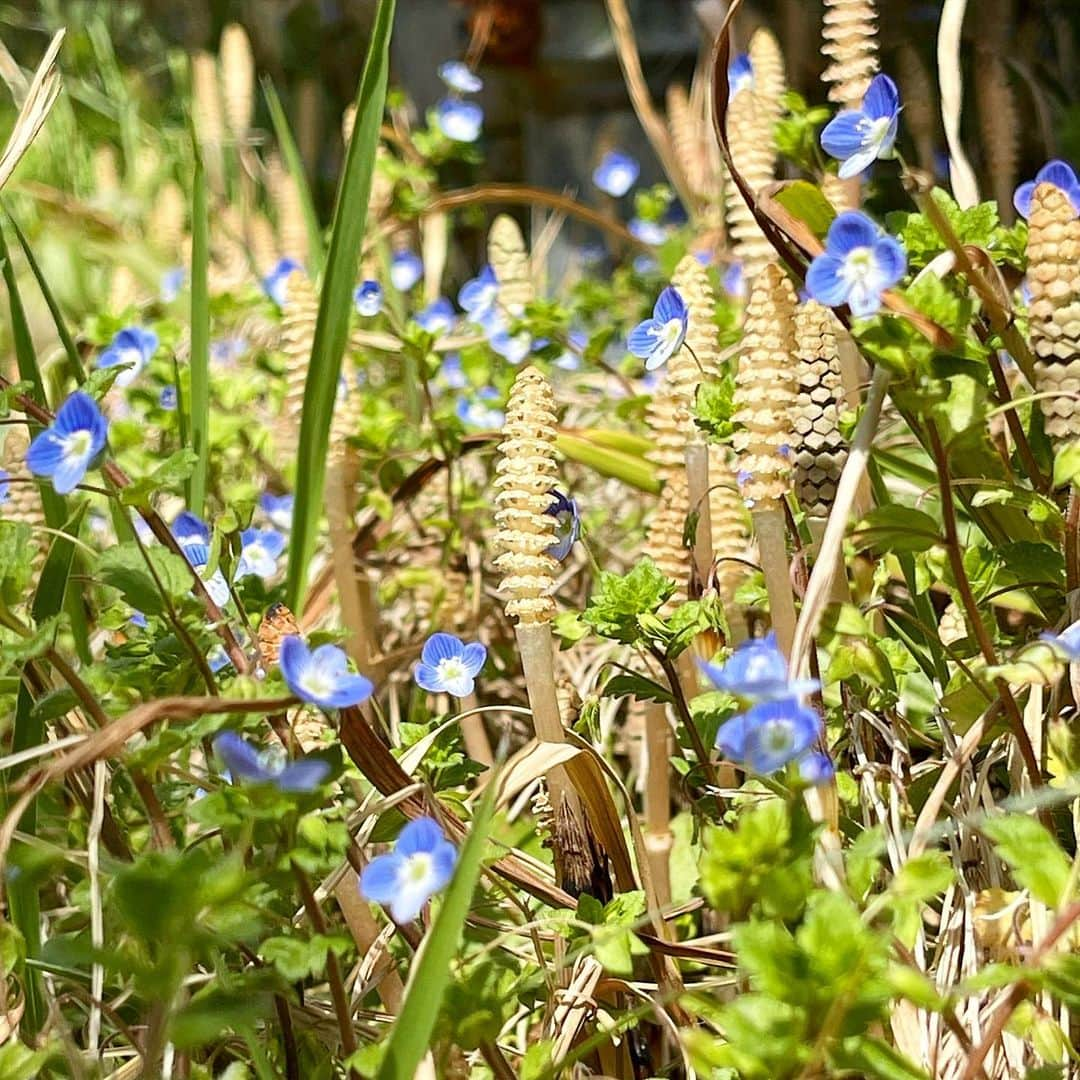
pixel 771 531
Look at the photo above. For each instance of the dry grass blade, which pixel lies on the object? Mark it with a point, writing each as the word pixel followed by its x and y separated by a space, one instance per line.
pixel 42 95
pixel 951 80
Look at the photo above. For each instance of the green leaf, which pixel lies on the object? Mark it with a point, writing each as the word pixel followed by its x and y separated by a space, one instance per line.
pixel 616 608
pixel 632 469
pixel 922 878
pixel 19 1062
pixel 335 305
pixel 872 1057
pixel 1037 862
pixel 896 529
pixel 636 686
pixel 199 396
pixel 16 560
pixel 168 476
pixel 297 959
pixel 807 204
pixel 430 972
pixel 124 568
pixel 1066 464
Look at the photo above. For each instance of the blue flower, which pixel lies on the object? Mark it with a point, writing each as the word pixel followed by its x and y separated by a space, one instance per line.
pixel 227 350
pixel 449 666
pixel 67 448
pixel 438 317
pixel 648 232
pixel 133 346
pixel 816 768
pixel 757 669
pixel 1067 642
pixel 5 487
pixel 278 508
pixel 513 348
pixel 859 137
pixel 189 528
pixel 276 283
pixel 167 398
pixel 616 174
pixel 368 298
pixel 768 736
pixel 570 358
pixel 474 413
pixel 858 264
pixel 172 281
pixel 247 763
pixel 568 524
pixel 479 295
pixel 460 120
pixel 259 553
pixel 216 586
pixel 1058 173
pixel 657 339
pixel 404 879
pixel 406 269
pixel 460 77
pixel 740 74
pixel 451 372
pixel 734 281
pixel 218 659
pixel 138 619
pixel 322 676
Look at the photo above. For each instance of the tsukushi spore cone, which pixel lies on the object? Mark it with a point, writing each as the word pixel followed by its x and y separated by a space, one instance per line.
pixel 525 476
pixel 298 319
pixel 770 80
pixel 509 259
pixel 237 80
pixel 1054 279
pixel 754 160
pixel 850 46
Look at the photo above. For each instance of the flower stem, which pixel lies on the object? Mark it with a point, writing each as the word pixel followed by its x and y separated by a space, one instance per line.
pixel 771 531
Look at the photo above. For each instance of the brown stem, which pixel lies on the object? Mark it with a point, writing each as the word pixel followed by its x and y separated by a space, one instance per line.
pixel 496 1062
pixel 683 709
pixel 1016 429
pixel 333 968
pixel 976 627
pixel 1072 542
pixel 288 1037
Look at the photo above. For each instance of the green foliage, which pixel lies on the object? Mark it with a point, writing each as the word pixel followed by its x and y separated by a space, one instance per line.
pixel 1034 856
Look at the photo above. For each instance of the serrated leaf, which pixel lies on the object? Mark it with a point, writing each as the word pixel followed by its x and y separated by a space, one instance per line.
pixel 1036 859
pixel 124 568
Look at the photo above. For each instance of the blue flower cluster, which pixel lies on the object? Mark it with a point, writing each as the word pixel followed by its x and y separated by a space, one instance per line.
pixel 779 727
pixel 458 119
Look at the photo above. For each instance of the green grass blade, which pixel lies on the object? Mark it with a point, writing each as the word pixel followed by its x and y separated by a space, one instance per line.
pixel 430 973
pixel 294 163
pixel 199 396
pixel 631 469
pixel 25 356
pixel 74 360
pixel 335 303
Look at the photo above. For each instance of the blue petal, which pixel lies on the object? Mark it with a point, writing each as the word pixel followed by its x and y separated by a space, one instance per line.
pixel 796 725
pixel 379 879
pixel 45 454
pixel 816 768
pixel 241 758
pixel 188 527
pixel 460 121
pixel 669 305
pixel 304 775
pixel 474 656
pixel 1059 173
pixel 859 162
pixel 293 658
pixel 441 647
pixel 80 413
pixel 731 738
pixel 849 231
pixel 1022 198
pixel 459 76
pixel 422 834
pixel 351 690
pixel 882 98
pixel 616 174
pixel 643 339
pixel 428 678
pixel 843 135
pixel 69 474
pixel 824 283
pixel 891 260
pixel 443 861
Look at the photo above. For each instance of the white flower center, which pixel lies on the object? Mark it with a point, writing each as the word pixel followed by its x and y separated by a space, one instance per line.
pixel 668 334
pixel 316 683
pixel 77 445
pixel 858 266
pixel 417 868
pixel 874 131
pixel 451 668
pixel 777 737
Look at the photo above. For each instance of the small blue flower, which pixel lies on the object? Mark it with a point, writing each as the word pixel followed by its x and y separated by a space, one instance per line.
pixel 138 619
pixel 460 120
pixel 245 762
pixel 1067 642
pixel 616 174
pixel 67 448
pixel 740 74
pixel 438 317
pixel 218 659
pixel 449 666
pixel 406 878
pixel 513 348
pixel 406 269
pixel 858 264
pixel 734 281
pixel 259 553
pixel 217 588
pixel 816 768
pixel 1059 173
pixel 5 487
pixel 479 295
pixel 322 676
pixel 460 77
pixel 228 350
pixel 278 508
pixel 768 736
pixel 657 339
pixel 172 281
pixel 474 413
pixel 189 528
pixel 276 283
pixel 757 669
pixel 648 232
pixel 133 346
pixel 368 299
pixel 859 137
pixel 167 398
pixel 568 524
pixel 451 372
